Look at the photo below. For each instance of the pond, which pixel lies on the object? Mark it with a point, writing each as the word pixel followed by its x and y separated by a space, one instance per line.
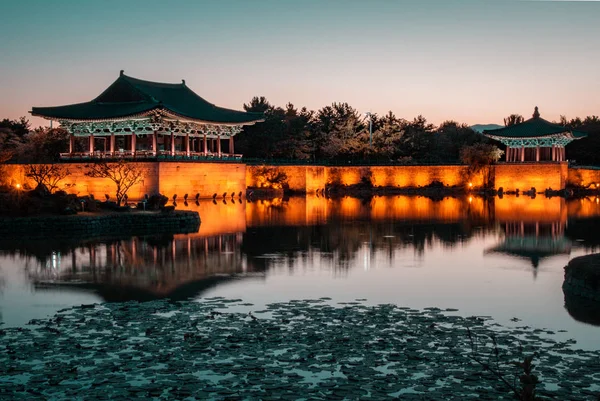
pixel 502 258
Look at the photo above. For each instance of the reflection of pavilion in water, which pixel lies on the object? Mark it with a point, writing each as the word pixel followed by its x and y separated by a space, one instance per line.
pixel 533 228
pixel 146 268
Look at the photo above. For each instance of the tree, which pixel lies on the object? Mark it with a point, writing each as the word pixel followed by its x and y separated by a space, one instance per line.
pixel 48 175
pixel 5 156
pixel 451 137
pixel 43 145
pixel 270 177
pixel 16 130
pixel 417 139
pixel 124 174
pixel 513 119
pixel 480 157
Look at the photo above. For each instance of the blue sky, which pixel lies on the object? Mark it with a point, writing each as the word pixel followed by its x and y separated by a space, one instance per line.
pixel 472 61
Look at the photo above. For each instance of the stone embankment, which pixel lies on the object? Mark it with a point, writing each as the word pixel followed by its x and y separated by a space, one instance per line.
pixel 92 225
pixel 582 277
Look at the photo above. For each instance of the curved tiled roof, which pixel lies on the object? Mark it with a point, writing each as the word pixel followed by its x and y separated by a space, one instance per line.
pixel 129 96
pixel 535 127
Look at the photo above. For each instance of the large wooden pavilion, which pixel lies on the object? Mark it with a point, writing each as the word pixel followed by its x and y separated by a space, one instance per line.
pixel 134 118
pixel 535 140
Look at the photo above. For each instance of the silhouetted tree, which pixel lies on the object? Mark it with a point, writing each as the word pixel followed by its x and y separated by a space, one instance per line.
pixel 43 145
pixel 513 119
pixel 48 175
pixel 124 174
pixel 480 157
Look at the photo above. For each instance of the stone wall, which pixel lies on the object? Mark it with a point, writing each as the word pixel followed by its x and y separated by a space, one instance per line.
pixel 168 178
pixel 136 223
pixel 310 178
pixel 205 179
pixel 584 177
pixel 524 176
pixel 401 176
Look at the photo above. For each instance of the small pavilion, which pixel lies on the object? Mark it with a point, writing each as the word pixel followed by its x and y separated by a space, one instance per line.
pixel 534 140
pixel 134 118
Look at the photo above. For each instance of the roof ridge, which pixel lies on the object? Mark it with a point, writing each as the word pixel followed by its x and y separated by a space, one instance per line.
pixel 133 80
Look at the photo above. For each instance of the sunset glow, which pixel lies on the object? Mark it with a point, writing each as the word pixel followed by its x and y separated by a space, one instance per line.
pixel 471 61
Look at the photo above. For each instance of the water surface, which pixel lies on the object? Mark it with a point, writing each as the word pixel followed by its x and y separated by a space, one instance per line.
pixel 502 258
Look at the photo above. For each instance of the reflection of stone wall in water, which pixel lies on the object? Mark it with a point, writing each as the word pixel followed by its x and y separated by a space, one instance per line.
pixel 312 210
pixel 524 208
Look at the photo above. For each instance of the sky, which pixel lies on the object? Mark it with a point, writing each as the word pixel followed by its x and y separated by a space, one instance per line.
pixel 473 61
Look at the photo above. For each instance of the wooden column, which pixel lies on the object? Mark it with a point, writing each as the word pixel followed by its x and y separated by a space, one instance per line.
pixel 205 145
pixel 91 144
pixel 112 144
pixel 71 143
pixel 553 153
pixel 507 154
pixel 133 140
pixel 522 153
pixel 172 144
pixel 231 151
pixel 187 144
pixel 219 145
pixel 155 142
pixel 537 153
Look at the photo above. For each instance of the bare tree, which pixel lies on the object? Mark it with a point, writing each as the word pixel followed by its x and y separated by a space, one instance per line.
pixel 48 175
pixel 123 174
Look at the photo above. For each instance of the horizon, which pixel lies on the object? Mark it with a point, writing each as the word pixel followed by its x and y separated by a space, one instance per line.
pixel 474 62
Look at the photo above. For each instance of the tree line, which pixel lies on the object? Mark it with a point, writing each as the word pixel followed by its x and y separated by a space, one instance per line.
pixel 334 133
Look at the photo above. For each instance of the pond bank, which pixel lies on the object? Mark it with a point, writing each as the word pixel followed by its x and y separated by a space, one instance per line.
pixel 100 224
pixel 308 349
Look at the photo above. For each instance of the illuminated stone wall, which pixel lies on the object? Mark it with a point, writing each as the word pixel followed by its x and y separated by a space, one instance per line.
pixel 299 178
pixel 203 178
pixel 168 178
pixel 79 184
pixel 206 179
pixel 310 178
pixel 523 176
pixel 401 176
pixel 584 177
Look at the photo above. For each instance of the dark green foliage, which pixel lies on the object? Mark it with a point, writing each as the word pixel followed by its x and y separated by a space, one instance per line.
pixel 586 150
pixel 339 134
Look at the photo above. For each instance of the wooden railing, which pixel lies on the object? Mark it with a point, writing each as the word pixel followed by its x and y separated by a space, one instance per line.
pixel 148 154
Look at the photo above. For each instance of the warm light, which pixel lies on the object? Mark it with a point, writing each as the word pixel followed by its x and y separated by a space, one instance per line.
pixel 597 199
pixel 470 185
pixel 18 186
pixel 597 185
pixel 470 199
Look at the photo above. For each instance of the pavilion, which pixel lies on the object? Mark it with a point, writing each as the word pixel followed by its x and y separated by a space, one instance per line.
pixel 134 118
pixel 534 140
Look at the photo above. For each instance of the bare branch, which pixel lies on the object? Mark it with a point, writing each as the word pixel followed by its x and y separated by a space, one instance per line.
pixel 48 175
pixel 124 174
